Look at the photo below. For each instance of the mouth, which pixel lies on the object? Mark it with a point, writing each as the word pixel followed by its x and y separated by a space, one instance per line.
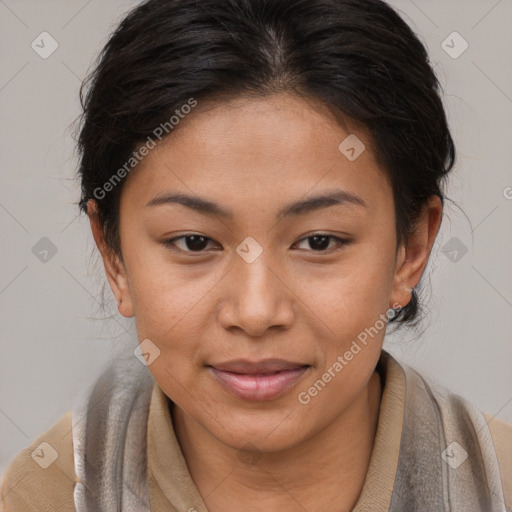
pixel 256 381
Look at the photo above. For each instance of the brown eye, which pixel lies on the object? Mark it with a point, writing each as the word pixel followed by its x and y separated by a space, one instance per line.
pixel 319 242
pixel 189 243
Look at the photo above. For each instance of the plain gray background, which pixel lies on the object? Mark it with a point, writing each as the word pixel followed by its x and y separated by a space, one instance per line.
pixel 54 338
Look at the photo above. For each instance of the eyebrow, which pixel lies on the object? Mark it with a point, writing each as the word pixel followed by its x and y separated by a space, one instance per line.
pixel 204 206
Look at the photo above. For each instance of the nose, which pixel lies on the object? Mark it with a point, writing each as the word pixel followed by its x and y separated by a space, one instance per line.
pixel 257 297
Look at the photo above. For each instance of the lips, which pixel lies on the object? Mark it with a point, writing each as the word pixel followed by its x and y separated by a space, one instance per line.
pixel 261 380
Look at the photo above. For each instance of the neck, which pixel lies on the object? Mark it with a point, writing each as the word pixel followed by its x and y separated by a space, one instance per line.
pixel 328 468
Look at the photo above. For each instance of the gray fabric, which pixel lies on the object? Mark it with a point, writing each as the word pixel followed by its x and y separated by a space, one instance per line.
pixel 110 440
pixel 434 418
pixel 110 435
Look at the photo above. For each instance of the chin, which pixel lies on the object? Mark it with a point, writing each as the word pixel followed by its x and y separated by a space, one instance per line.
pixel 270 432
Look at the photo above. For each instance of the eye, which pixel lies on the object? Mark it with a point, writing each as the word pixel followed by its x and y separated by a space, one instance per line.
pixel 189 243
pixel 319 242
pixel 195 243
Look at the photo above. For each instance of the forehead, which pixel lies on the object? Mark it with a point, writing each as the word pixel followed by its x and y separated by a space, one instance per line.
pixel 259 150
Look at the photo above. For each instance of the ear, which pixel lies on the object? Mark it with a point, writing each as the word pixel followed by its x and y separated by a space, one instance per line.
pixel 413 256
pixel 114 267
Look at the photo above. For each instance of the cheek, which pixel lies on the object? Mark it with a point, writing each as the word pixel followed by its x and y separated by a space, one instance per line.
pixel 167 307
pixel 352 292
pixel 350 311
pixel 172 309
pixel 169 312
pixel 164 294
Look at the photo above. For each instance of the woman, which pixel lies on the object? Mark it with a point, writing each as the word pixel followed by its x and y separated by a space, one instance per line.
pixel 263 180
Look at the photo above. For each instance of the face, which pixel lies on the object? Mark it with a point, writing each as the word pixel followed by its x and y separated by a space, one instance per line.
pixel 285 250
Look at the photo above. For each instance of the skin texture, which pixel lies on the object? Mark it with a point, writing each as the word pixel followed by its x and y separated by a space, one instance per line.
pixel 253 157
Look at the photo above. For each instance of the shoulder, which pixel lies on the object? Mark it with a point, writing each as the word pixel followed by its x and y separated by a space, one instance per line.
pixel 454 412
pixel 501 432
pixel 42 476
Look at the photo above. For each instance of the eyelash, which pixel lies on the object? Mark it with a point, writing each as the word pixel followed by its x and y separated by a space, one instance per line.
pixel 341 241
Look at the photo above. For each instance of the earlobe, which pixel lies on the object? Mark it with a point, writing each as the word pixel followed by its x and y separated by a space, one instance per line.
pixel 402 291
pixel 413 257
pixel 114 267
